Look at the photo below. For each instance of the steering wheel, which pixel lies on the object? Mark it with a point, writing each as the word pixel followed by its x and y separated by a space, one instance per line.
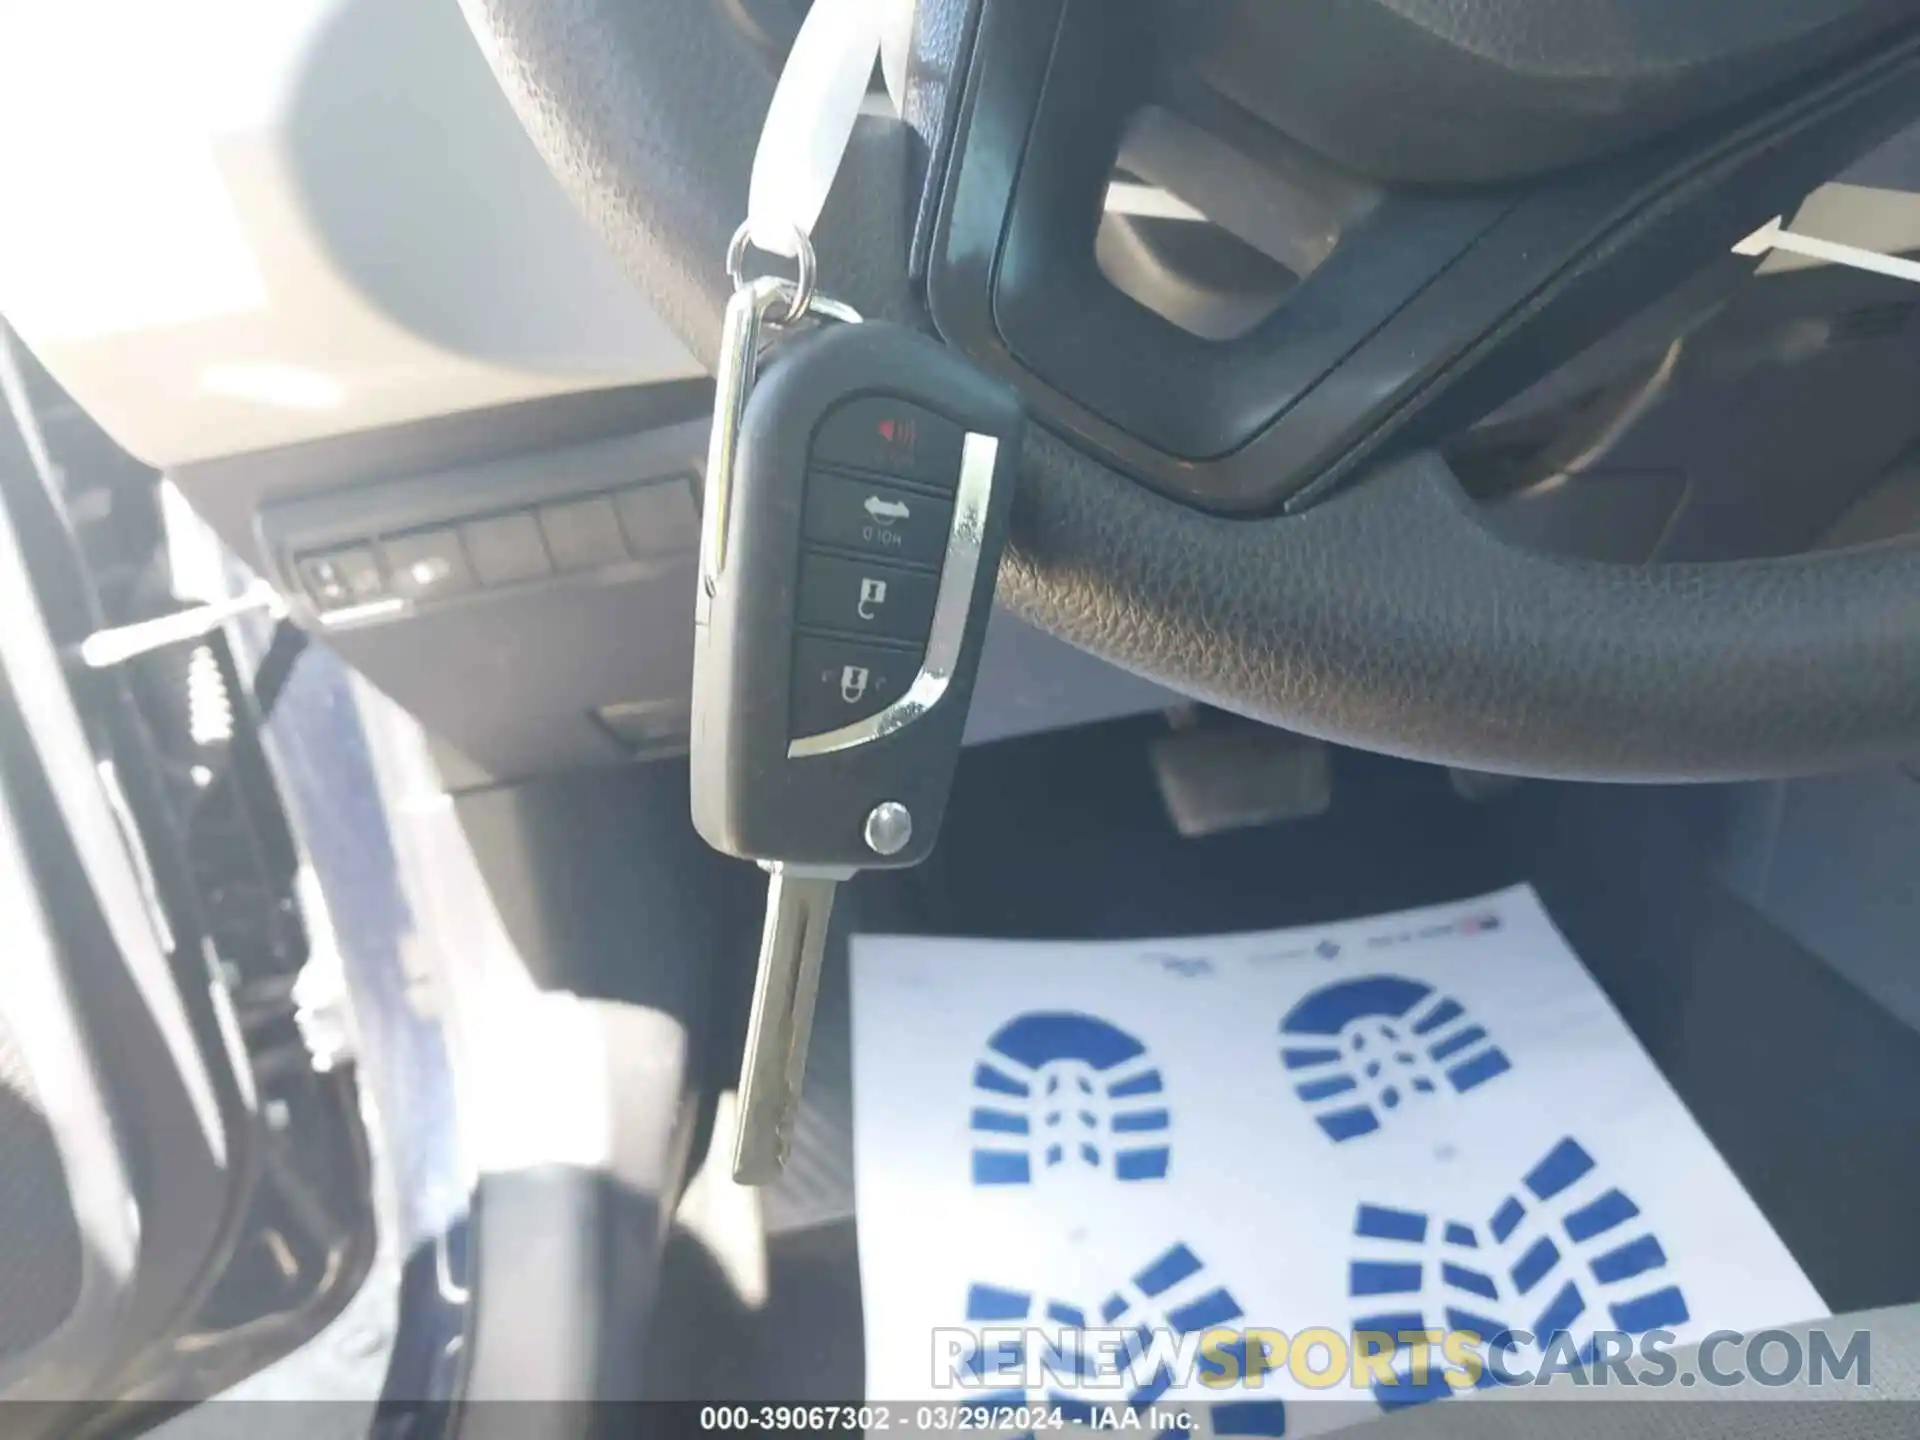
pixel 1593 154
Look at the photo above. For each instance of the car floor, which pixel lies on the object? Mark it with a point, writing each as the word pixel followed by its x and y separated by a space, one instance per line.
pixel 1808 1087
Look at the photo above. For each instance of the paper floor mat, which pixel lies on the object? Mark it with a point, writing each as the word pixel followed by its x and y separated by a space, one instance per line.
pixel 1426 1121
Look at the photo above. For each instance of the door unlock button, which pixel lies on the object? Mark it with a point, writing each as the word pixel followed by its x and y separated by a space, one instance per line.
pixel 860 597
pixel 836 682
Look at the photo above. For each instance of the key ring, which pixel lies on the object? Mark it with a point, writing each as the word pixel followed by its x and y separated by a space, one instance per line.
pixel 806 273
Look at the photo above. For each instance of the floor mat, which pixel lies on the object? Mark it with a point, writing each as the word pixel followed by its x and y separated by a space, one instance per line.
pixel 1423 1121
pixel 1064 836
pixel 1809 1090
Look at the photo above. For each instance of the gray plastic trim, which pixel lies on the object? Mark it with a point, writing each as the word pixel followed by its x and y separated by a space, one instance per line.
pixel 446 497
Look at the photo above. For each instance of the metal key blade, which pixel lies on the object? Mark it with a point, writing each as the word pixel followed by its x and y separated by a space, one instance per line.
pixel 781 1021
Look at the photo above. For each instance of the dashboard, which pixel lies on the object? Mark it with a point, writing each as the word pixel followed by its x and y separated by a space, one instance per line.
pixel 301 258
pixel 318 276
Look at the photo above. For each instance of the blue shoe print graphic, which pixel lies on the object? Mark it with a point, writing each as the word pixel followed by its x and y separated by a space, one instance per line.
pixel 1359 1051
pixel 1060 1092
pixel 1564 1255
pixel 1171 1296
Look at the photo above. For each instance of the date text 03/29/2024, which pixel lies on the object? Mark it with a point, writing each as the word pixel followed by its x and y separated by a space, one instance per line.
pixel 958 1417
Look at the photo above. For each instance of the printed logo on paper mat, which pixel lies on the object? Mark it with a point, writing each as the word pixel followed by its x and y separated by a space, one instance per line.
pixel 1564 1256
pixel 1363 1052
pixel 1061 1093
pixel 1173 1296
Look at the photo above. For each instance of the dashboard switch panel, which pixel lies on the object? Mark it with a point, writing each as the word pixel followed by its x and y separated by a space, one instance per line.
pixel 428 564
pixel 341 579
pixel 598 512
pixel 583 534
pixel 659 519
pixel 506 549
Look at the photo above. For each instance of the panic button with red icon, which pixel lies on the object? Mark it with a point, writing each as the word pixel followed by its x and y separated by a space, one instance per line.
pixel 891 437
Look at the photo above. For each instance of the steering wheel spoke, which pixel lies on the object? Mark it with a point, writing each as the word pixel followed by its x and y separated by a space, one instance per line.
pixel 1193 514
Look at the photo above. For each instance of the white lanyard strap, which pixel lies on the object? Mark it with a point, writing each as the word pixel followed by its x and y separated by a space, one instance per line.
pixel 1771 237
pixel 810 121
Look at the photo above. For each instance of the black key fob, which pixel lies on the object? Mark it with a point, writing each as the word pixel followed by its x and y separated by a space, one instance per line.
pixel 849 591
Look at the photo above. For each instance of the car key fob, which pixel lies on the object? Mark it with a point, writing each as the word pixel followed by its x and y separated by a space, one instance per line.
pixel 847 597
